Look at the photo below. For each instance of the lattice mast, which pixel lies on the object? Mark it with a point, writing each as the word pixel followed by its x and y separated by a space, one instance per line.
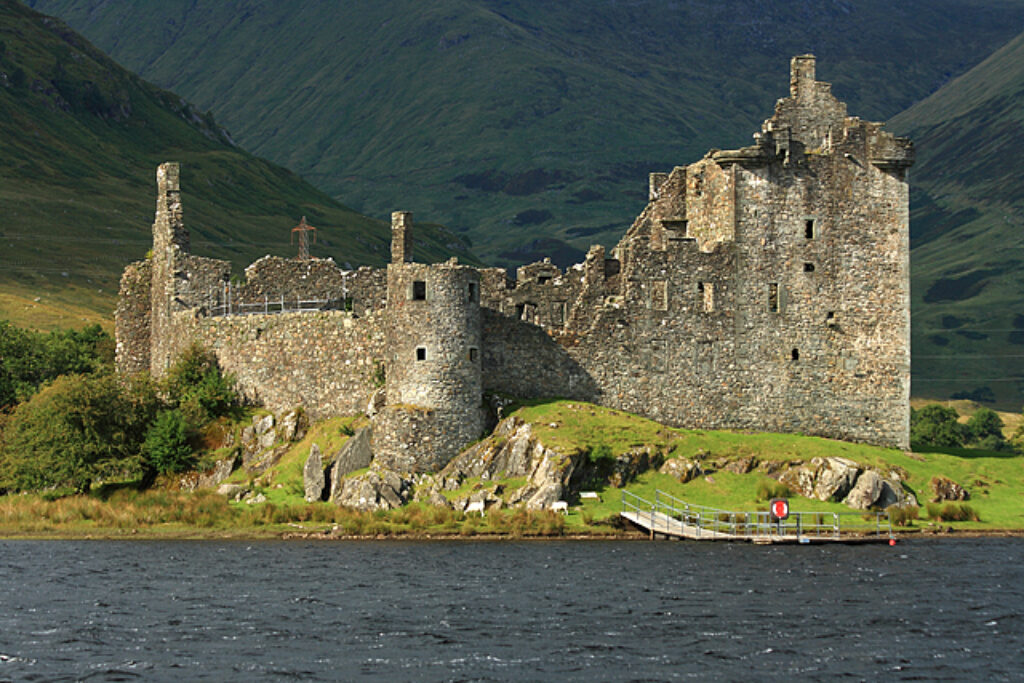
pixel 303 231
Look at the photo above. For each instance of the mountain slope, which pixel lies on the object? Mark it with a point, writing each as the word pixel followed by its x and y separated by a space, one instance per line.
pixel 80 139
pixel 966 222
pixel 517 121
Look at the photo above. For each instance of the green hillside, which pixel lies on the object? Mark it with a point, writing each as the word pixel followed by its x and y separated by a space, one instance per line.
pixel 519 123
pixel 80 139
pixel 966 222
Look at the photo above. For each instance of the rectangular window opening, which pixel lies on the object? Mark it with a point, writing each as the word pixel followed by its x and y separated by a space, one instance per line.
pixel 543 279
pixel 474 353
pixel 659 295
pixel 421 353
pixel 419 290
pixel 808 267
pixel 472 292
pixel 809 228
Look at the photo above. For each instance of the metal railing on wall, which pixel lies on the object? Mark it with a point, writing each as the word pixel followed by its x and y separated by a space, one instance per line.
pixel 228 304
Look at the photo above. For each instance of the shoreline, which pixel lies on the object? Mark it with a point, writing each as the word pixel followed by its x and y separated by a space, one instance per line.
pixel 328 535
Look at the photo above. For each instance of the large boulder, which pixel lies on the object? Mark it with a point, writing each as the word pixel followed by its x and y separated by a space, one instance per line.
pixel 822 478
pixel 682 469
pixel 944 489
pixel 373 490
pixel 872 490
pixel 355 454
pixel 313 475
pixel 213 477
pixel 513 450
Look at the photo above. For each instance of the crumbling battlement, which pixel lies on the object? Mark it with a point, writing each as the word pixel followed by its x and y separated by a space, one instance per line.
pixel 762 288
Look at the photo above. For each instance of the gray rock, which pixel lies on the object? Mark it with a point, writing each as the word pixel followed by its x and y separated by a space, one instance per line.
pixel 835 477
pixel 438 500
pixel 256 499
pixel 376 402
pixel 867 491
pixel 375 490
pixel 544 497
pixel 313 475
pixel 354 455
pixel 221 470
pixel 232 491
pixel 682 469
pixel 262 425
pixel 267 439
pixel 290 428
pixel 944 489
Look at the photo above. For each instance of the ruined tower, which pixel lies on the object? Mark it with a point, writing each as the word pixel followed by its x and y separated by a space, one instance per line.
pixel 433 359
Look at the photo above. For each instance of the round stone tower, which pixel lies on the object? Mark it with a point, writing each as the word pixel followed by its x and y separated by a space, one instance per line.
pixel 433 361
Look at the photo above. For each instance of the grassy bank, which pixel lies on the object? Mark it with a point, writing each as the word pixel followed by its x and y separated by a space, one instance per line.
pixel 995 482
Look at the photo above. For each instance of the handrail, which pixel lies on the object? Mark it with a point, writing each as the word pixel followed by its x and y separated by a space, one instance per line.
pixel 668 514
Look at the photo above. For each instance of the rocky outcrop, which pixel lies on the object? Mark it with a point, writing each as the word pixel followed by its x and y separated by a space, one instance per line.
pixel 944 489
pixel 201 480
pixel 682 469
pixel 267 439
pixel 513 451
pixel 822 478
pixel 374 490
pixel 872 490
pixel 632 463
pixel 313 475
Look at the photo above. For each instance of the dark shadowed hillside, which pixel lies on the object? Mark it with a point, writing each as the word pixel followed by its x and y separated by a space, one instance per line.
pixel 80 139
pixel 516 120
pixel 967 226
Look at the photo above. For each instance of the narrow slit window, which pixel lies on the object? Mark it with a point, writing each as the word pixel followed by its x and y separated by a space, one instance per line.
pixel 809 231
pixel 419 290
pixel 706 296
pixel 773 297
pixel 472 292
pixel 474 354
pixel 421 353
pixel 830 318
pixel 795 354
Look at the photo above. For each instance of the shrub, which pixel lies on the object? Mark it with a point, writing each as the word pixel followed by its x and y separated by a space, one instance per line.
pixel 902 515
pixel 769 488
pixel 166 448
pixel 952 512
pixel 196 385
pixel 937 425
pixel 77 429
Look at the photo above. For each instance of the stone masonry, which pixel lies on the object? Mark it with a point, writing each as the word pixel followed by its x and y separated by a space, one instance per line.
pixel 763 288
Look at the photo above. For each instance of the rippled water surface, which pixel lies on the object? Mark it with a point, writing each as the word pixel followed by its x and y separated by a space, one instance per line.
pixel 924 610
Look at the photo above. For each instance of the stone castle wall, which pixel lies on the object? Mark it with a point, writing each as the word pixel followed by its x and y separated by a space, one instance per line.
pixel 761 288
pixel 327 362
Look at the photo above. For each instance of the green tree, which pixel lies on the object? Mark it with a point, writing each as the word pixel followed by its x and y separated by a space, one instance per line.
pixel 166 448
pixel 985 426
pixel 196 385
pixel 77 429
pixel 937 425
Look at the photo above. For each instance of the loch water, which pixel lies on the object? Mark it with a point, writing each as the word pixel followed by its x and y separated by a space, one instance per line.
pixel 946 609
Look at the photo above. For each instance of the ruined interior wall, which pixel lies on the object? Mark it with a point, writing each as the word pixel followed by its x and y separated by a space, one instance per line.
pixel 326 362
pixel 522 359
pixel 132 318
pixel 273 277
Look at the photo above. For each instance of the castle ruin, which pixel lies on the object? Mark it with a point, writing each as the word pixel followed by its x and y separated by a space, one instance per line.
pixel 764 288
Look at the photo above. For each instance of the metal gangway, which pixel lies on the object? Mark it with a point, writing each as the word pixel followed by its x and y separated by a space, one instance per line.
pixel 670 517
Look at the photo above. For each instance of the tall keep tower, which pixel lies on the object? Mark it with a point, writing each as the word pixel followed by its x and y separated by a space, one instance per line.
pixel 433 362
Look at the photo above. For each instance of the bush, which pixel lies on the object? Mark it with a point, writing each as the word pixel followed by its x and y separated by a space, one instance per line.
pixel 166 448
pixel 196 386
pixel 952 512
pixel 77 429
pixel 769 488
pixel 937 425
pixel 902 515
pixel 28 359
